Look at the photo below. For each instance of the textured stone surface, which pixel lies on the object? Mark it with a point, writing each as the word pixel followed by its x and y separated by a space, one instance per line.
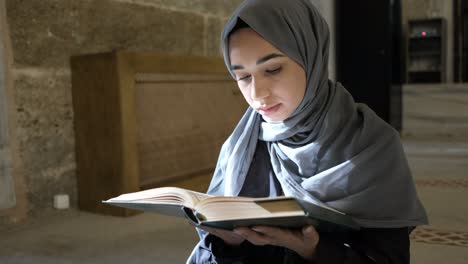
pixel 220 8
pixel 7 191
pixel 214 28
pixel 415 9
pixel 45 33
pixel 45 137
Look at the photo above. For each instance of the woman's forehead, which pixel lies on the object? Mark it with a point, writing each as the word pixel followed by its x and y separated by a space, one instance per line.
pixel 249 51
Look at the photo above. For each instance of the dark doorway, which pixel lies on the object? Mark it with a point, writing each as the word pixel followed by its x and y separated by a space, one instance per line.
pixel 370 56
pixel 461 40
pixel 464 55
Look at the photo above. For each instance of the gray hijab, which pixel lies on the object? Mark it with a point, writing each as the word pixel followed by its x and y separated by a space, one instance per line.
pixel 331 150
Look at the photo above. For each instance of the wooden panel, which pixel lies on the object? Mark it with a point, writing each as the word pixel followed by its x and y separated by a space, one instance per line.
pixel 98 134
pixel 168 126
pixel 182 122
pixel 141 62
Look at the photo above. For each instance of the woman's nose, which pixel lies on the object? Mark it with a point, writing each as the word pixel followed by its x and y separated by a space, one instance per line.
pixel 259 90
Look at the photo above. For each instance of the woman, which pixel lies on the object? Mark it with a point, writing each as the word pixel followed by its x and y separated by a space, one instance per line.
pixel 304 136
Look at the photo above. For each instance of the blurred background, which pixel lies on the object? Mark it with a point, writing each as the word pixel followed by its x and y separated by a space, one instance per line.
pixel 101 97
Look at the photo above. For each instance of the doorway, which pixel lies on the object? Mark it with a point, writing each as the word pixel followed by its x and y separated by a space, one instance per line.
pixel 369 54
pixel 461 40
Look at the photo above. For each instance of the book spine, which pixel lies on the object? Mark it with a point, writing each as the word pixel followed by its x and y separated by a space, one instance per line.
pixel 191 215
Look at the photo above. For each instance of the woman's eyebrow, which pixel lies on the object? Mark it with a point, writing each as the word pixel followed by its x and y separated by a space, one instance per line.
pixel 260 61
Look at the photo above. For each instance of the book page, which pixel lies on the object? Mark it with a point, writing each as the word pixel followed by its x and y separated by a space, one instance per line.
pixel 163 195
pixel 197 196
pixel 220 208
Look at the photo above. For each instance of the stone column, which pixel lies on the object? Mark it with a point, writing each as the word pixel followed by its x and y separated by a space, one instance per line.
pixel 7 191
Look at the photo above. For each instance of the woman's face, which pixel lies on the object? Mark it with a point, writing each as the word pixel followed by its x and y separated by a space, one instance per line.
pixel 272 83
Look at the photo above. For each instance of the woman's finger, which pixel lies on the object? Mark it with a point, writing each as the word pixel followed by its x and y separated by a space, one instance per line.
pixel 254 237
pixel 270 231
pixel 208 229
pixel 310 235
pixel 229 237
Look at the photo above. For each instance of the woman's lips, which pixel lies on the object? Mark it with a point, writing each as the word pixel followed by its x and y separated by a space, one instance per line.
pixel 269 110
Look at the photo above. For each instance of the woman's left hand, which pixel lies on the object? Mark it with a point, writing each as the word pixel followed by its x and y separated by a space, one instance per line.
pixel 303 241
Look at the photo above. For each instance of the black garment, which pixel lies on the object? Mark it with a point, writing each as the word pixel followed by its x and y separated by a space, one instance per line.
pixel 372 245
pixel 261 181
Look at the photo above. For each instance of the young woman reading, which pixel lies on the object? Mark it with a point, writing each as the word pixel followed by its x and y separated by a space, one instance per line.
pixel 304 136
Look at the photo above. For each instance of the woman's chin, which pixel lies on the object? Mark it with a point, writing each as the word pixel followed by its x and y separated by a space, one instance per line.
pixel 270 119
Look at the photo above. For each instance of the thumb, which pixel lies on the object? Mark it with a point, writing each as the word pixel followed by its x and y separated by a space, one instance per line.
pixel 311 236
pixel 310 242
pixel 309 232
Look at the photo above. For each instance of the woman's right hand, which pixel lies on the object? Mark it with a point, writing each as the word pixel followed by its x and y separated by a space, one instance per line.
pixel 229 237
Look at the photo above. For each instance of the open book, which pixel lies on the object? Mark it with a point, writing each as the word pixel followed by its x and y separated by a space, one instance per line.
pixel 228 212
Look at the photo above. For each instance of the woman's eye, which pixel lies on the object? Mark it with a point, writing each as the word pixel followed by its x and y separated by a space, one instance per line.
pixel 273 71
pixel 243 78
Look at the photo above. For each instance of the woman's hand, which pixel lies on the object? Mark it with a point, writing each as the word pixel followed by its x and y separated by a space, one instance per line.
pixel 229 237
pixel 303 241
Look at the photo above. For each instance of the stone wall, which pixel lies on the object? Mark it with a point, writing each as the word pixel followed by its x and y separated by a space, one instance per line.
pixel 44 34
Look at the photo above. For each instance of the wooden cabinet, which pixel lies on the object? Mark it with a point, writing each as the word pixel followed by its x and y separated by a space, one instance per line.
pixel 144 120
pixel 427 51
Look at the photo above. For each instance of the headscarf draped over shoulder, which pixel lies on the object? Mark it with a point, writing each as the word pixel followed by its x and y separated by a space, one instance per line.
pixel 330 150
